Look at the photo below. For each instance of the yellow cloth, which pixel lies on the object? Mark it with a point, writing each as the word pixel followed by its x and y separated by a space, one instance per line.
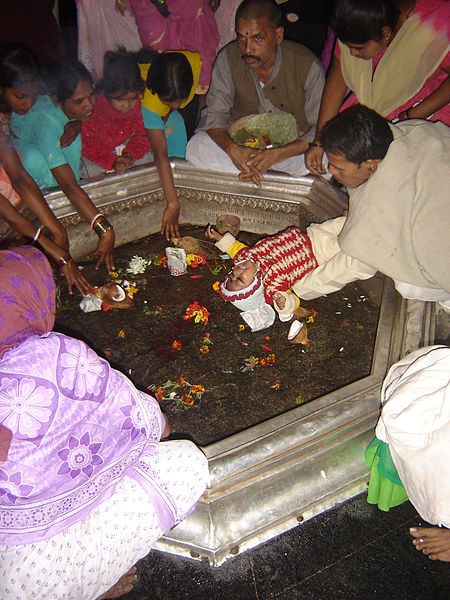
pixel 152 102
pixel 410 59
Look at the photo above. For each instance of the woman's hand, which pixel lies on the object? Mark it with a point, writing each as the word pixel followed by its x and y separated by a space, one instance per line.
pixel 123 162
pixel 75 278
pixel 313 160
pixel 169 225
pixel 72 130
pixel 104 250
pixel 212 234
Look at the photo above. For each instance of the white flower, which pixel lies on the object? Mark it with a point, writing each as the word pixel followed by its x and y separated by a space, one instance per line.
pixel 137 265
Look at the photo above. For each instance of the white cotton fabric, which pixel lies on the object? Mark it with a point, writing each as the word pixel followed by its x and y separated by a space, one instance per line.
pixel 415 422
pixel 336 268
pixel 202 151
pixel 87 559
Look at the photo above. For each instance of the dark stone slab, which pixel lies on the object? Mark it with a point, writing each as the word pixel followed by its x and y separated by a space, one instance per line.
pixel 353 551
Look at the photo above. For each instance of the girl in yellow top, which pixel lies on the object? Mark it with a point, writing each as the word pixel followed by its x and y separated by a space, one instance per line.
pixel 171 80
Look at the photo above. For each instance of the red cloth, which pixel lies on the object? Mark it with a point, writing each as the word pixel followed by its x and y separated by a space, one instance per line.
pixel 108 128
pixel 283 258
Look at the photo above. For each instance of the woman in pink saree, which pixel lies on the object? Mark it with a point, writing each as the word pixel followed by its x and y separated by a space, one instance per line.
pixel 86 487
pixel 179 25
pixel 392 56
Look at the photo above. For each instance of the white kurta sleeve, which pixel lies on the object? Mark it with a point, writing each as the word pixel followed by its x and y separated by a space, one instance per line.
pixel 335 269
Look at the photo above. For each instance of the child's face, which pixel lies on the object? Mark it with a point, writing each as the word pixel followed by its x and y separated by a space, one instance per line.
pixel 21 99
pixel 79 106
pixel 124 101
pixel 241 276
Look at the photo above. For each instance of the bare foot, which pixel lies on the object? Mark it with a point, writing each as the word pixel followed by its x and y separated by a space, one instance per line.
pixel 432 541
pixel 123 586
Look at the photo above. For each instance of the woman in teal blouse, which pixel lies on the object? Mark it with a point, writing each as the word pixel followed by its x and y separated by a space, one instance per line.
pixel 48 137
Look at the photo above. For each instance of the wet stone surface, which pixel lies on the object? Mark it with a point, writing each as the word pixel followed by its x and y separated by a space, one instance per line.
pixel 153 343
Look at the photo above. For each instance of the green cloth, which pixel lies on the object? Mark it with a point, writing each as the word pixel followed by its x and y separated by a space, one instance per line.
pixel 385 486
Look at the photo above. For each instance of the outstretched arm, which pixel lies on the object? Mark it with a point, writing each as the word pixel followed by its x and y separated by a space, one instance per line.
pixel 332 276
pixel 31 195
pixel 60 255
pixel 158 143
pixel 86 209
pixel 333 96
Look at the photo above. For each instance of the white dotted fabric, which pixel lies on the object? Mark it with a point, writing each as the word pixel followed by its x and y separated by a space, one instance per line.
pixel 87 559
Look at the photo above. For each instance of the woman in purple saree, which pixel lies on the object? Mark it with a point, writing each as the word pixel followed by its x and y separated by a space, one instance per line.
pixel 86 487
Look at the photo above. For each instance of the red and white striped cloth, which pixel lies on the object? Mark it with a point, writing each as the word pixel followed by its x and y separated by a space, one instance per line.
pixel 283 259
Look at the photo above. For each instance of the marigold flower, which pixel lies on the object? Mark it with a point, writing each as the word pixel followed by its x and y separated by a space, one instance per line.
pixel 216 286
pixel 121 333
pixel 132 290
pixel 160 394
pixel 263 362
pixel 241 327
pixel 194 260
pixel 275 386
pixel 176 345
pixel 204 349
pixel 271 359
pixel 197 312
pixel 197 389
pixel 187 400
pixel 181 381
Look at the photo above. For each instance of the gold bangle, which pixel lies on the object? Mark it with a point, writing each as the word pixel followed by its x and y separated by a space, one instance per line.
pixel 102 227
pixel 37 234
pixel 97 216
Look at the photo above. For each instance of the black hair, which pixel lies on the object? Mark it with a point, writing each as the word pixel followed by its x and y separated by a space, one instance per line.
pixel 357 133
pixel 358 21
pixel 170 76
pixel 258 9
pixel 63 77
pixel 18 66
pixel 120 73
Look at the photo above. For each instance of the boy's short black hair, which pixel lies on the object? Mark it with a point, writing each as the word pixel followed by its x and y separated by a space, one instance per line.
pixel 358 133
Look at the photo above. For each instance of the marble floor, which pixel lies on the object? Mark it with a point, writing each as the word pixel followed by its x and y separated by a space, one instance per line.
pixel 353 551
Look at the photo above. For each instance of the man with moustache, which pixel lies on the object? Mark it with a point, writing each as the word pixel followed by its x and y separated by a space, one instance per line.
pixel 258 73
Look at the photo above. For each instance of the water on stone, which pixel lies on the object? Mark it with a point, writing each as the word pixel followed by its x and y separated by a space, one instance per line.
pixel 153 343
